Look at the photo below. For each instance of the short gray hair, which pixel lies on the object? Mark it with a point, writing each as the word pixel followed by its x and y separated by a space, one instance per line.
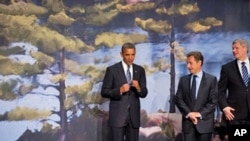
pixel 242 42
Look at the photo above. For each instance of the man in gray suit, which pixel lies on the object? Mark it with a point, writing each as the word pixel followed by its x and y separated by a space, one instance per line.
pixel 196 98
pixel 124 84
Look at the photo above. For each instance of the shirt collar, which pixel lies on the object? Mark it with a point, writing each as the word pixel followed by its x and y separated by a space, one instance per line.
pixel 199 74
pixel 125 66
pixel 246 61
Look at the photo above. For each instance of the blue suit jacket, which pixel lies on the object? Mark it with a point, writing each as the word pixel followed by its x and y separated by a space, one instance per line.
pixel 118 108
pixel 205 104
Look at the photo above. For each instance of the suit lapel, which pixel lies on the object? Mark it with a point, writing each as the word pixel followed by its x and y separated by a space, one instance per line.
pixel 202 85
pixel 121 73
pixel 188 81
pixel 235 68
pixel 135 73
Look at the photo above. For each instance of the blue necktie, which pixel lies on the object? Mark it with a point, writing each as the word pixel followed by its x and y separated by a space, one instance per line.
pixel 244 73
pixel 128 75
pixel 193 88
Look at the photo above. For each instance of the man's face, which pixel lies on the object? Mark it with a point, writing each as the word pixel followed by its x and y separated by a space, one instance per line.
pixel 239 51
pixel 193 66
pixel 128 56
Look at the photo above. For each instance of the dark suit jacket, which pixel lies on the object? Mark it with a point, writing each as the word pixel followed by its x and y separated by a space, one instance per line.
pixel 238 94
pixel 118 107
pixel 205 104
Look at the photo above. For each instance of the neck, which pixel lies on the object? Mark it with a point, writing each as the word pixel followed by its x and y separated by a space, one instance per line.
pixel 242 58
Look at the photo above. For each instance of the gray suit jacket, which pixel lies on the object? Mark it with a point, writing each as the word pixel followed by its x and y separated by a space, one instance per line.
pixel 205 103
pixel 118 108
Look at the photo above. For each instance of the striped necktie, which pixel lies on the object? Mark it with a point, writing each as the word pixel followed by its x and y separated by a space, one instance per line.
pixel 244 73
pixel 128 75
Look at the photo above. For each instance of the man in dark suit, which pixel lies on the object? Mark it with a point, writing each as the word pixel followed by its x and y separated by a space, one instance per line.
pixel 196 98
pixel 124 84
pixel 234 92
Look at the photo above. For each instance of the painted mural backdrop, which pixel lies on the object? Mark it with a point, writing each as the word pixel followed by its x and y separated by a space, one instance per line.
pixel 53 56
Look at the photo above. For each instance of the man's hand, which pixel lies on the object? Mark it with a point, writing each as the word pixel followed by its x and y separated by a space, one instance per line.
pixel 124 88
pixel 135 84
pixel 194 117
pixel 228 113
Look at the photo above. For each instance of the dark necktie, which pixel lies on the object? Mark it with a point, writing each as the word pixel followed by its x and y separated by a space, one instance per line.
pixel 193 88
pixel 128 75
pixel 244 73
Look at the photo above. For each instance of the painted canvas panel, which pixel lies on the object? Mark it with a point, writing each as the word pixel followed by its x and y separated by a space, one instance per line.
pixel 53 56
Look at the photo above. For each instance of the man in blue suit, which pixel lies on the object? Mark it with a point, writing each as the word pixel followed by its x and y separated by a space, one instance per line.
pixel 124 84
pixel 196 98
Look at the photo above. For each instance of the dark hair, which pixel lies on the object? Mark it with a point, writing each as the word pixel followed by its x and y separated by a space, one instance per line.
pixel 128 45
pixel 197 56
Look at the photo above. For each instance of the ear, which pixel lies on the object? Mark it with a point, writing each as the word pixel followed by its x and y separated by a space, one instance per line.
pixel 200 62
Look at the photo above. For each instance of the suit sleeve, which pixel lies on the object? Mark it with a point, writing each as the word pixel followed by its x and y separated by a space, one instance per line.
pixel 143 84
pixel 108 90
pixel 180 103
pixel 222 86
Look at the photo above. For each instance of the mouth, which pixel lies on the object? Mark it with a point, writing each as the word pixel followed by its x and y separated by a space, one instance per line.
pixel 130 63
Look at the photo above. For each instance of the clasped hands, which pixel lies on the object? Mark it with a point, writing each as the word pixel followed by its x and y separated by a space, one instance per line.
pixel 194 116
pixel 125 87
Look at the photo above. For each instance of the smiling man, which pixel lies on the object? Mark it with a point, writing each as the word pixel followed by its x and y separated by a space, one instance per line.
pixel 234 88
